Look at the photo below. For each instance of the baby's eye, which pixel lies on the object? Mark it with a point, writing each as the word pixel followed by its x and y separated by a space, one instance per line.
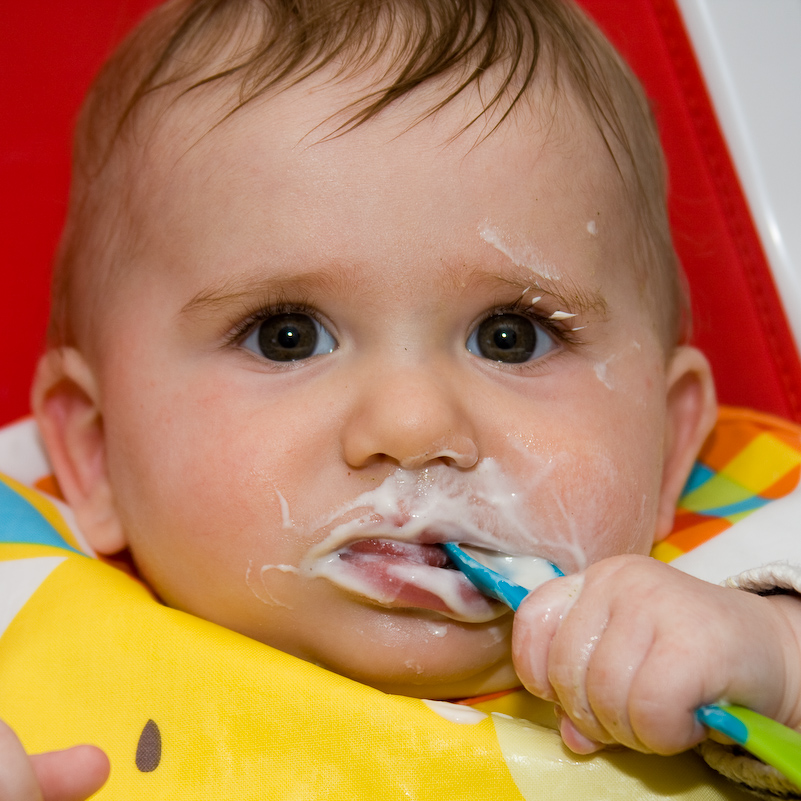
pixel 289 337
pixel 510 338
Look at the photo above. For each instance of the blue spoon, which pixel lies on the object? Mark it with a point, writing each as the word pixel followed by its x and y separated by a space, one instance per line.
pixel 489 581
pixel 773 743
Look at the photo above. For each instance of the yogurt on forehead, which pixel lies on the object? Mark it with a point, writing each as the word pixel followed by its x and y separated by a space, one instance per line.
pixel 382 545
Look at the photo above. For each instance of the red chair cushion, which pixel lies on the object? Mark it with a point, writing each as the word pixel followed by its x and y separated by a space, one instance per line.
pixel 51 55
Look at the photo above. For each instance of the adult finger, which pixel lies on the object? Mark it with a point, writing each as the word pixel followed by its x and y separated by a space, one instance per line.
pixel 71 775
pixel 17 778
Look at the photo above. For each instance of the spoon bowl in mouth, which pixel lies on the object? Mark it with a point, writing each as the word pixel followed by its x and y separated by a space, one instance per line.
pixel 492 582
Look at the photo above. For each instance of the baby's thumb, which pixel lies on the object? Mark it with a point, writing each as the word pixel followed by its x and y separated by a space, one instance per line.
pixel 536 624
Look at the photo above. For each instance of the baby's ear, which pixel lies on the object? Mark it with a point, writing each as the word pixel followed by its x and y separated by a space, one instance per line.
pixel 66 404
pixel 691 413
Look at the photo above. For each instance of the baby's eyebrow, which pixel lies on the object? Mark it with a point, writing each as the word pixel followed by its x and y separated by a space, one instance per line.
pixel 567 293
pixel 236 289
pixel 575 298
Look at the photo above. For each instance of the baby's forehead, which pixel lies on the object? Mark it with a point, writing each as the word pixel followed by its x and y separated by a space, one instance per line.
pixel 272 153
pixel 274 162
pixel 210 70
pixel 199 131
pixel 296 136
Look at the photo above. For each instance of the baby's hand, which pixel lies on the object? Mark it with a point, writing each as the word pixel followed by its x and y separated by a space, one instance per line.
pixel 70 775
pixel 630 647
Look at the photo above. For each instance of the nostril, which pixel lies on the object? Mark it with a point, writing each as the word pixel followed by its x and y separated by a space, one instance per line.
pixel 463 460
pixel 461 452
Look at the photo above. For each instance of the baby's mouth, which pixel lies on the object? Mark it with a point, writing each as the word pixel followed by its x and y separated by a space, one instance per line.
pixel 407 575
pixel 411 552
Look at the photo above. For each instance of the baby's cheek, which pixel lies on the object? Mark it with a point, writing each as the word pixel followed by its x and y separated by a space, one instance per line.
pixel 585 505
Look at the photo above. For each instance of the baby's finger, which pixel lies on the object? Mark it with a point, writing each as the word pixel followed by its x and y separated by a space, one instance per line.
pixel 570 655
pixel 536 623
pixel 573 738
pixel 17 778
pixel 554 634
pixel 661 712
pixel 71 775
pixel 613 666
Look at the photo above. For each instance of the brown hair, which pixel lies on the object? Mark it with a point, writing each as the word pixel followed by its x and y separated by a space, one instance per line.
pixel 260 46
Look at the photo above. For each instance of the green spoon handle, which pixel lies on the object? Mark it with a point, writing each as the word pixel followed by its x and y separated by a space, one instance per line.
pixel 773 743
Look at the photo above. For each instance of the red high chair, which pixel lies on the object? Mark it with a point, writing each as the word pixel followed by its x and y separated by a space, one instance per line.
pixel 51 51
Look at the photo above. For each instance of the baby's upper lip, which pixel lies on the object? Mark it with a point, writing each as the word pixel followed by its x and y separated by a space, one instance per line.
pixel 399 527
pixel 407 530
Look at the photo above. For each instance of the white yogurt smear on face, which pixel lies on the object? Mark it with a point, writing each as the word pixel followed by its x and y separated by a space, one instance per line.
pixel 527 256
pixel 286 518
pixel 437 630
pixel 482 507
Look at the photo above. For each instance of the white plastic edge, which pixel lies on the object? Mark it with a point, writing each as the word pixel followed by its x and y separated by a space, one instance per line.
pixel 749 53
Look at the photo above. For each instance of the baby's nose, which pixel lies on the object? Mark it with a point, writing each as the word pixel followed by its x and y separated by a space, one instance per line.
pixel 411 417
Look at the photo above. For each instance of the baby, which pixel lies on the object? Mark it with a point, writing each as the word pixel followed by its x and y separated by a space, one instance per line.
pixel 342 281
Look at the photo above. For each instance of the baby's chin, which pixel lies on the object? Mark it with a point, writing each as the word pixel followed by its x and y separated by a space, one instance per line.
pixel 423 657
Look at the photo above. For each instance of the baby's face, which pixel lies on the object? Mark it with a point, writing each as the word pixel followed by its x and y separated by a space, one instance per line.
pixel 326 357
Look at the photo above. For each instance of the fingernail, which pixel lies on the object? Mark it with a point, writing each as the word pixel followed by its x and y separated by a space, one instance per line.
pixel 577 742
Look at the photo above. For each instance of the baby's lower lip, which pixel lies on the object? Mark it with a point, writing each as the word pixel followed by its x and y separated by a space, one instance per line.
pixel 409 575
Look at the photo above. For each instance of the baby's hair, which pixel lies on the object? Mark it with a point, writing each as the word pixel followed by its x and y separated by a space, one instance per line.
pixel 257 47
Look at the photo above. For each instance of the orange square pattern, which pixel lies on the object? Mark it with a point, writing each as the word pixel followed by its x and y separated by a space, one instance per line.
pixel 735 431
